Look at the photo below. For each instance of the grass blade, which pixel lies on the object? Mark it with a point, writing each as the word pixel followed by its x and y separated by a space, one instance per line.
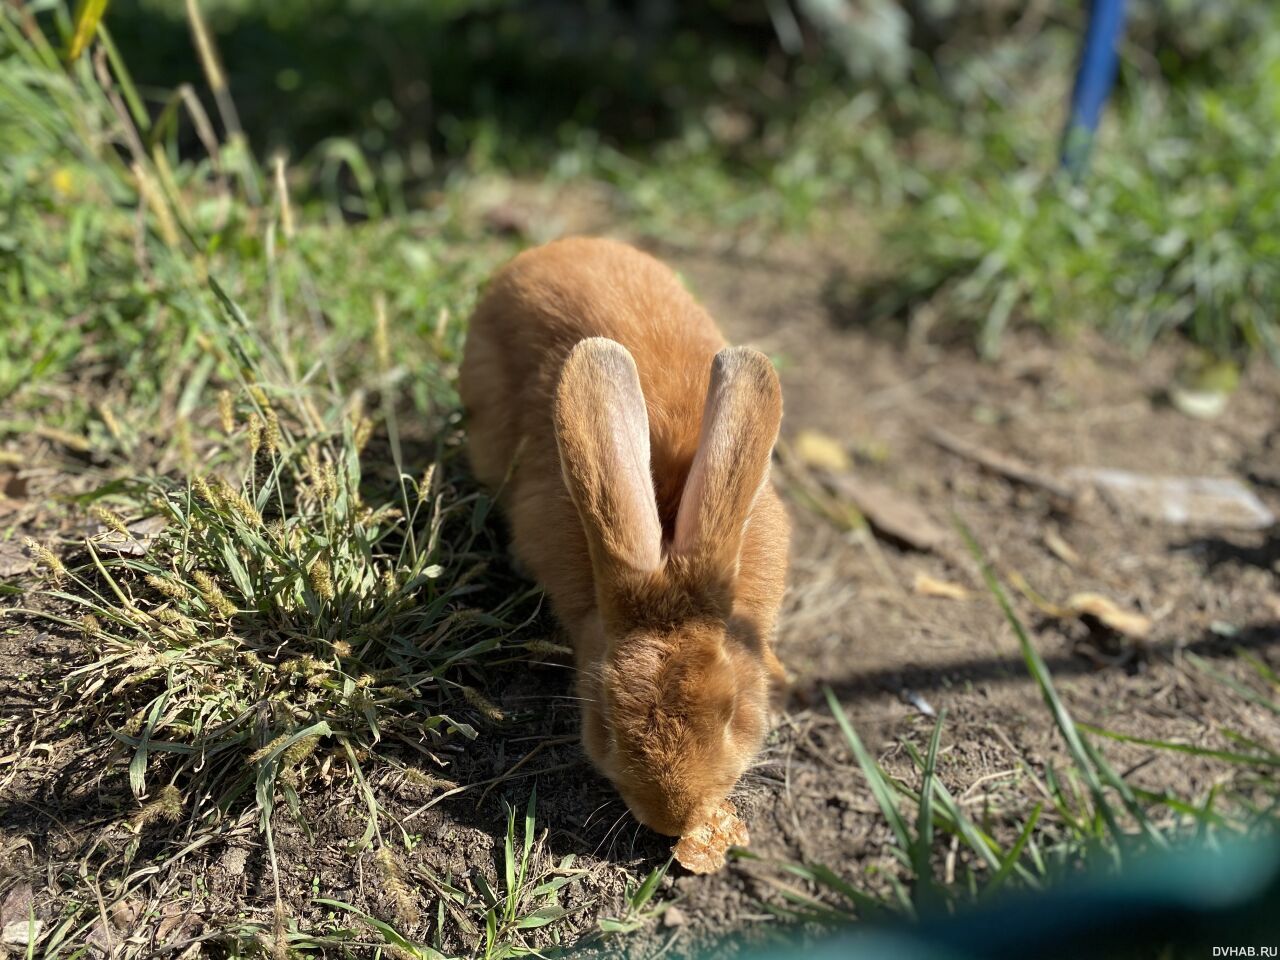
pixel 923 846
pixel 1225 755
pixel 1010 859
pixel 880 788
pixel 1040 672
pixel 88 16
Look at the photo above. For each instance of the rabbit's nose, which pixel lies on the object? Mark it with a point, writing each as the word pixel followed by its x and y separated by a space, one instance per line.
pixel 673 815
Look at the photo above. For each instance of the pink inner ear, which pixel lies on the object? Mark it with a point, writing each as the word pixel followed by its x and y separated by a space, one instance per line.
pixel 641 534
pixel 603 434
pixel 709 459
pixel 739 427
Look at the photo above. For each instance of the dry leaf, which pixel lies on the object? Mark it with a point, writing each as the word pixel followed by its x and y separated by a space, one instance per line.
pixel 1107 613
pixel 928 586
pixel 17 929
pixel 13 485
pixel 702 850
pixel 14 560
pixel 137 544
pixel 17 904
pixel 818 450
pixel 891 513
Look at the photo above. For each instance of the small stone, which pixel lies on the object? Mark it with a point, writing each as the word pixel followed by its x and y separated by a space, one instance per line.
pixel 674 917
pixel 21 933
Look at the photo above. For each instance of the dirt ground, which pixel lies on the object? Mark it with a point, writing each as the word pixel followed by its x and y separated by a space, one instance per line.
pixel 852 621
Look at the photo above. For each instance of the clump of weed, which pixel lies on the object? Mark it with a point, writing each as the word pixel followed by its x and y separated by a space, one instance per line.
pixel 1173 228
pixel 271 607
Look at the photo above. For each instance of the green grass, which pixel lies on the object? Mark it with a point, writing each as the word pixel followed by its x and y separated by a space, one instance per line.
pixel 1171 230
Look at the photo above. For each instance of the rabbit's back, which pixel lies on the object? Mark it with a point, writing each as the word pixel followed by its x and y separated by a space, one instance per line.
pixel 533 312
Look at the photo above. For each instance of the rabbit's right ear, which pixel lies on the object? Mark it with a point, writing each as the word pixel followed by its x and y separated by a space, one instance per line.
pixel 602 431
pixel 739 428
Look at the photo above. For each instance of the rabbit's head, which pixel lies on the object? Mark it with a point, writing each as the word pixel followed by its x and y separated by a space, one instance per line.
pixel 677 706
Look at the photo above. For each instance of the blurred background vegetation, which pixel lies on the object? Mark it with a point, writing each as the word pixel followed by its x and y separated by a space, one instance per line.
pixel 937 119
pixel 918 138
pixel 527 78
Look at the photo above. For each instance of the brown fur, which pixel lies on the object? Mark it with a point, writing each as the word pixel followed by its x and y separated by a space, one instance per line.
pixel 658 537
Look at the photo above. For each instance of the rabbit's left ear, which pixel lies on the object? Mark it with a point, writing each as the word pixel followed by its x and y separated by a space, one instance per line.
pixel 739 428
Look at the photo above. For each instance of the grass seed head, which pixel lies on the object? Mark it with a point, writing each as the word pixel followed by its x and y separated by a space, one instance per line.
pixel 182 442
pixel 166 587
pixel 265 751
pixel 166 807
pixel 202 489
pixel 255 431
pixel 306 667
pixel 238 503
pixel 293 756
pixel 47 559
pixel 271 431
pixel 424 485
pixel 487 708
pixel 428 782
pixel 321 577
pixel 390 585
pixel 402 901
pixel 175 621
pixel 226 412
pixel 548 649
pixel 111 520
pixel 270 421
pixel 213 596
pixel 299 751
pixel 381 341
pixel 361 434
pixel 109 421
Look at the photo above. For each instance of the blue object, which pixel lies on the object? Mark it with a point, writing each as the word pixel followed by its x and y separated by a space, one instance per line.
pixel 1094 80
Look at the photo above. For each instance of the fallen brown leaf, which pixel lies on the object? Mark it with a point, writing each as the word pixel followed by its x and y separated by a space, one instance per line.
pixel 1106 612
pixel 14 560
pixel 13 485
pixel 703 849
pixel 889 511
pixel 927 586
pixel 818 450
pixel 1221 502
pixel 137 544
